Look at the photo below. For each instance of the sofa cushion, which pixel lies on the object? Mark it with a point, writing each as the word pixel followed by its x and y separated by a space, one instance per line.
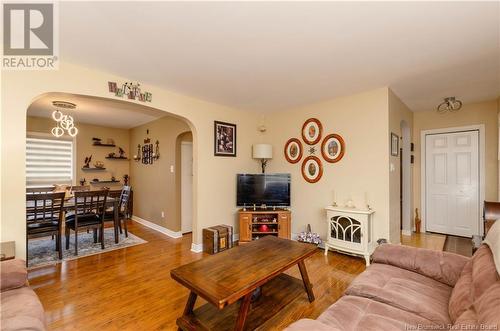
pixel 358 313
pixel 444 267
pixel 484 273
pixel 13 274
pixel 484 313
pixel 460 298
pixel 493 241
pixel 21 310
pixel 477 276
pixel 408 291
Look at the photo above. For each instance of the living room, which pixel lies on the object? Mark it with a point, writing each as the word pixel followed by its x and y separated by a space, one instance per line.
pixel 351 116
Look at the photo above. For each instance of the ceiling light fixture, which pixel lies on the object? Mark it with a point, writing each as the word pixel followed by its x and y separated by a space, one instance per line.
pixel 63 122
pixel 449 104
pixel 63 104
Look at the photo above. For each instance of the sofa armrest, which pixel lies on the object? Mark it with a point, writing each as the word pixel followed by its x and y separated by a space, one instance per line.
pixel 442 266
pixel 13 274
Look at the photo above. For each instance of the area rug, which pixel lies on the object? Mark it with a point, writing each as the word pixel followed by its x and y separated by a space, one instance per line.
pixel 42 251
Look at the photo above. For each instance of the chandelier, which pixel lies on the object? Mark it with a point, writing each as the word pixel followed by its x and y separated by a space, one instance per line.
pixel 449 104
pixel 63 123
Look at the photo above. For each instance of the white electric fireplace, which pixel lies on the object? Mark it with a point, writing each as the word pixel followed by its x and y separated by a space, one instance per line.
pixel 350 231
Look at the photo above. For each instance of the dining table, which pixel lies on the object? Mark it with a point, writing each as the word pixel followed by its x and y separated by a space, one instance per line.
pixel 69 205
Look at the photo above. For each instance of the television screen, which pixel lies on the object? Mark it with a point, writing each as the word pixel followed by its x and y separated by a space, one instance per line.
pixel 263 189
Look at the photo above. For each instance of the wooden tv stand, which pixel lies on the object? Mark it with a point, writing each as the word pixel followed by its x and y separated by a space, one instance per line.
pixel 277 221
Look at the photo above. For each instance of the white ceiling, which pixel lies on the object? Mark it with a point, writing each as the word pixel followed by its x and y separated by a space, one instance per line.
pixel 97 111
pixel 267 56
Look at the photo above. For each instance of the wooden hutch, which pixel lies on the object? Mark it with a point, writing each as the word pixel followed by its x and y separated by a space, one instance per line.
pixel 255 224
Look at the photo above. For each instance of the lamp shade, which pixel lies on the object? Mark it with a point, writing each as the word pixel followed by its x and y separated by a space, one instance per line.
pixel 262 151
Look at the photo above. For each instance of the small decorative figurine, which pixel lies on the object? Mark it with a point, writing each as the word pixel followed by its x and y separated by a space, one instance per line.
pixel 87 161
pixel 121 152
pixel 125 179
pixel 99 164
pixel 83 181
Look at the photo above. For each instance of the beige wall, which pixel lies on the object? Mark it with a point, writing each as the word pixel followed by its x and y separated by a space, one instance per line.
pixel 214 177
pixel 362 120
pixel 398 112
pixel 471 114
pixel 84 148
pixel 155 186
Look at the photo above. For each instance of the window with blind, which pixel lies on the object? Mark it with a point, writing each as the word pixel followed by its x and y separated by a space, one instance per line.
pixel 48 161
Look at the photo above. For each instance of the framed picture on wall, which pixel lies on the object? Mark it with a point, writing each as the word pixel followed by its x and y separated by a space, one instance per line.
pixel 224 139
pixel 394 144
pixel 311 131
pixel 293 150
pixel 333 148
pixel 312 169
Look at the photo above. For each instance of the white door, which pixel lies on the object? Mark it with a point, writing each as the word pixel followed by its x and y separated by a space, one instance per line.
pixel 452 183
pixel 186 187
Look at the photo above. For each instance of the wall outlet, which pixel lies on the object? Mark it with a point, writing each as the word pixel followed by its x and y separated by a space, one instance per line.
pixel 162 214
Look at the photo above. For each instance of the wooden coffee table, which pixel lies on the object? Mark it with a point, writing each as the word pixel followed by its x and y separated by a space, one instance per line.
pixel 225 278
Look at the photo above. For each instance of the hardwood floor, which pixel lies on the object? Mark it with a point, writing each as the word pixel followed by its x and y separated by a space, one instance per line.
pixel 459 245
pixel 441 242
pixel 131 288
pixel 425 240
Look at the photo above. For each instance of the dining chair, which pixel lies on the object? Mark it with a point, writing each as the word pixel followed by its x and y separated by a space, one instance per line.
pixel 44 216
pixel 38 190
pixel 88 214
pixel 123 214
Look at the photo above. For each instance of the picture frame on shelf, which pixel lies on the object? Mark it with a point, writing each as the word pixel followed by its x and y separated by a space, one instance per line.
pixel 224 139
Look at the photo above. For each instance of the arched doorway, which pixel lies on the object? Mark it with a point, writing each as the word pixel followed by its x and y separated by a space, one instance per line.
pixel 124 124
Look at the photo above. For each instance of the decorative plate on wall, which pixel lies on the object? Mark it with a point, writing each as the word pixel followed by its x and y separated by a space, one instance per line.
pixel 312 169
pixel 333 148
pixel 293 150
pixel 311 131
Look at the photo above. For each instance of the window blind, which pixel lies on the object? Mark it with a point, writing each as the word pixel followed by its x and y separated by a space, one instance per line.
pixel 48 161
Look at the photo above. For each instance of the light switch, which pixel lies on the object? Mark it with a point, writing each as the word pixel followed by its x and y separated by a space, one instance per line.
pixel 172 169
pixel 392 168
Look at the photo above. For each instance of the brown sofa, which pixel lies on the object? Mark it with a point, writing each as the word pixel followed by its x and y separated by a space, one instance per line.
pixel 410 288
pixel 20 307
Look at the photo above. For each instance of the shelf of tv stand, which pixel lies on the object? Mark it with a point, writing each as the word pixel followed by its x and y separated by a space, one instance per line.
pixel 268 223
pixel 264 232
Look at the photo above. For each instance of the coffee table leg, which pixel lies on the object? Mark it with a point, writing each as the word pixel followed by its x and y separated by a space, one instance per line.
pixel 189 305
pixel 242 315
pixel 305 279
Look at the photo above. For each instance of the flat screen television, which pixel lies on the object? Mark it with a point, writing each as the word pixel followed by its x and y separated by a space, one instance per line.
pixel 263 189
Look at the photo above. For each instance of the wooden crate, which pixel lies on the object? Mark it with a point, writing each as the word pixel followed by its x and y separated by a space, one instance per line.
pixel 217 238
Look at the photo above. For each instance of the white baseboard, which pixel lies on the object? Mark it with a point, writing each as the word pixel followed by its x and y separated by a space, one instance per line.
pixel 406 232
pixel 159 228
pixel 196 248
